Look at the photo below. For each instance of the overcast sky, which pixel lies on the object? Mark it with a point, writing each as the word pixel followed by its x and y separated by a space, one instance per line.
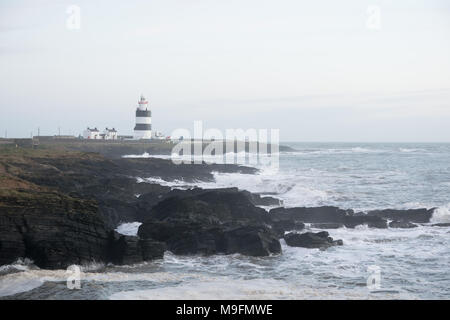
pixel 321 70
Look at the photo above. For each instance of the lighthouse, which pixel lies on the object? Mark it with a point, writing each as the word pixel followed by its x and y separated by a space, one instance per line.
pixel 143 128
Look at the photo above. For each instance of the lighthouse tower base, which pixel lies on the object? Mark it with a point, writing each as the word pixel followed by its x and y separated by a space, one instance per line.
pixel 141 134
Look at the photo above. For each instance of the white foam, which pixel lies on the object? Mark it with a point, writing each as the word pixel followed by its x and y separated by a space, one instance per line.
pixel 27 280
pixel 441 214
pixel 410 150
pixel 129 228
pixel 179 184
pixel 223 288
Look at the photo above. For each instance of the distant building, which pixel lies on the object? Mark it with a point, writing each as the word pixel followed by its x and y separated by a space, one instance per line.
pixel 92 134
pixel 110 134
pixel 157 135
pixel 143 128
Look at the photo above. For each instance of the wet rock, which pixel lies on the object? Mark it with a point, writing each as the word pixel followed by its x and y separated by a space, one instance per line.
pixel 444 224
pixel 129 249
pixel 325 214
pixel 188 237
pixel 53 230
pixel 311 240
pixel 251 241
pixel 281 226
pixel 183 237
pixel 411 215
pixel 327 225
pixel 351 221
pixel 402 224
pixel 210 207
pixel 212 221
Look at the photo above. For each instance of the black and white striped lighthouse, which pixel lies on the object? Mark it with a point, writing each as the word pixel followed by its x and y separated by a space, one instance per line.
pixel 143 128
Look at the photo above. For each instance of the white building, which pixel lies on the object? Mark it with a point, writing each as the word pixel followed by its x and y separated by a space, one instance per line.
pixel 110 134
pixel 157 135
pixel 143 128
pixel 92 134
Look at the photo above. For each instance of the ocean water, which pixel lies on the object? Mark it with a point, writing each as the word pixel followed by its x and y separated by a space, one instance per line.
pixel 408 263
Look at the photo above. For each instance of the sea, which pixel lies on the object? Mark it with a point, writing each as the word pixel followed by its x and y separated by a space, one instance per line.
pixel 372 263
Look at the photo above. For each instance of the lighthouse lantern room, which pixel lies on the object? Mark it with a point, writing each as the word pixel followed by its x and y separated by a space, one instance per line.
pixel 143 128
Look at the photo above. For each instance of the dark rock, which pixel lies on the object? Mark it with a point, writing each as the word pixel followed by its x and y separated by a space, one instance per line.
pixel 53 230
pixel 183 237
pixel 166 170
pixel 411 215
pixel 251 240
pixel 281 226
pixel 188 237
pixel 210 207
pixel 151 199
pixel 445 224
pixel 402 224
pixel 331 216
pixel 258 200
pixel 311 240
pixel 56 231
pixel 325 214
pixel 330 225
pixel 352 221
pixel 129 249
pixel 209 222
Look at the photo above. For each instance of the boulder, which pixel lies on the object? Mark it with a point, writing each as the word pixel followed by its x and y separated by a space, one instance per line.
pixel 183 236
pixel 323 214
pixel 189 237
pixel 411 215
pixel 311 240
pixel 251 241
pixel 325 217
pixel 150 199
pixel 210 207
pixel 123 249
pixel 351 221
pixel 211 221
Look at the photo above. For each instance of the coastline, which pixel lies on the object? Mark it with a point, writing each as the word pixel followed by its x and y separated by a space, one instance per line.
pixel 60 207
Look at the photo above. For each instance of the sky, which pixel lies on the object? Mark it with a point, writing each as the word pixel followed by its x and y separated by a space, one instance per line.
pixel 352 70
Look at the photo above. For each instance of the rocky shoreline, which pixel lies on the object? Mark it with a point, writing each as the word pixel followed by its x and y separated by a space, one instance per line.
pixel 60 207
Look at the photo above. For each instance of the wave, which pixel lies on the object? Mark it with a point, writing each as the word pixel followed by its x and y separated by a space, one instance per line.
pixel 29 279
pixel 249 289
pixel 129 228
pixel 336 151
pixel 411 150
pixel 441 214
pixel 176 184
